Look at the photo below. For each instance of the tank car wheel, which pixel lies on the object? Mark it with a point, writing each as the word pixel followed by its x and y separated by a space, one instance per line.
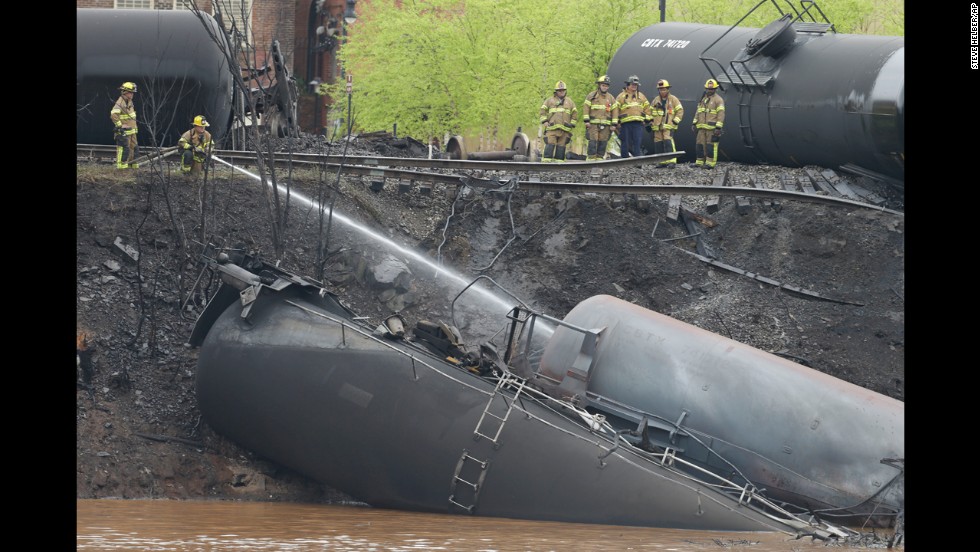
pixel 455 148
pixel 521 144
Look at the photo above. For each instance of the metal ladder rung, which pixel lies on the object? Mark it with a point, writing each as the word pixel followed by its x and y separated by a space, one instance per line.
pixel 811 27
pixel 504 380
pixel 746 79
pixel 467 508
pixel 748 491
pixel 482 464
pixel 472 485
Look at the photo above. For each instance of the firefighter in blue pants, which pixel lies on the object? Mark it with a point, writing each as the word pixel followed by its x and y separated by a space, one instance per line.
pixel 634 116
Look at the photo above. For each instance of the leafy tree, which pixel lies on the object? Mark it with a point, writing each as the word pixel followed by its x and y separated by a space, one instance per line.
pixel 442 65
pixel 484 66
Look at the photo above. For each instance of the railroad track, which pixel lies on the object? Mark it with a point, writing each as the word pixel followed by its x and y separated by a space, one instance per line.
pixel 473 173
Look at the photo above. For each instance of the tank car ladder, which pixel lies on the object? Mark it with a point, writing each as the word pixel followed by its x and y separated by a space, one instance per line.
pixel 472 488
pixel 488 417
pixel 748 73
pixel 745 120
pixel 466 486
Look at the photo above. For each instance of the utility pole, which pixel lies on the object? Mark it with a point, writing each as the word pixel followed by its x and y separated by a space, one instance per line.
pixel 350 16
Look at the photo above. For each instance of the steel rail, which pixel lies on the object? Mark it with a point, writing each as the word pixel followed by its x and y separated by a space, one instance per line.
pixel 517 166
pixel 383 162
pixel 375 169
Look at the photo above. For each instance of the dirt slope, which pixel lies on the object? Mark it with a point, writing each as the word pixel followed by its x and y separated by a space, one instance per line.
pixel 138 430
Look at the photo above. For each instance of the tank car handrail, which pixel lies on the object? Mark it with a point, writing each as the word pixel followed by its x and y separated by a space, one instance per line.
pixel 694 435
pixel 599 425
pixel 705 60
pixel 781 13
pixel 746 71
pixel 452 305
pixel 798 16
pixel 724 484
pixel 806 11
pixel 745 493
pixel 595 399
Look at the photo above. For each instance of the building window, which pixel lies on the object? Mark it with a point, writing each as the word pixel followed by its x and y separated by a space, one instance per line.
pixel 154 4
pixel 236 16
pixel 239 10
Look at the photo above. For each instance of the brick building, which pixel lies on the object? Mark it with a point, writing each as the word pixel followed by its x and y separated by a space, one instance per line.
pixel 309 33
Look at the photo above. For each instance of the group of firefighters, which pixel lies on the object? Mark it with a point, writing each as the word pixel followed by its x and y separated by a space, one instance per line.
pixel 627 115
pixel 195 144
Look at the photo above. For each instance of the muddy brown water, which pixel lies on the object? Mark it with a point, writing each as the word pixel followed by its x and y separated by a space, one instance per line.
pixel 256 526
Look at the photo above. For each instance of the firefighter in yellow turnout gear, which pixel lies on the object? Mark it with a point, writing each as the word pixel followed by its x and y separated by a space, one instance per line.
pixel 558 115
pixel 707 125
pixel 195 146
pixel 600 113
pixel 667 113
pixel 123 115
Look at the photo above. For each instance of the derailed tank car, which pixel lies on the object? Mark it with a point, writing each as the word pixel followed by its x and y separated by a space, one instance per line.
pixel 795 92
pixel 416 422
pixel 827 446
pixel 176 62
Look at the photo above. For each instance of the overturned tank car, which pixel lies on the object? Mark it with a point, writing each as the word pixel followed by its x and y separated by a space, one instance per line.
pixel 826 446
pixel 796 92
pixel 184 64
pixel 177 60
pixel 627 417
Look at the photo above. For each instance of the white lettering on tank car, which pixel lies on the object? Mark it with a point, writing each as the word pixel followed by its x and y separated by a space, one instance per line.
pixel 664 43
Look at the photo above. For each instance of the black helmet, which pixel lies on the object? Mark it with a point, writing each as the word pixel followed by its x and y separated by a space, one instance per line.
pixel 633 79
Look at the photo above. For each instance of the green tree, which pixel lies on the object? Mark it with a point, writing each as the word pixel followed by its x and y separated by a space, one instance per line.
pixel 484 66
pixel 444 65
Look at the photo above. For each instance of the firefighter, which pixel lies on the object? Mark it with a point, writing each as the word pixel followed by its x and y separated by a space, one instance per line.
pixel 707 125
pixel 667 113
pixel 123 115
pixel 196 146
pixel 634 116
pixel 600 113
pixel 558 115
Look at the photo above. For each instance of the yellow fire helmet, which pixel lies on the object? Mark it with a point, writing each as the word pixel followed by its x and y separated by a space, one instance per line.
pixel 604 79
pixel 712 84
pixel 560 85
pixel 662 83
pixel 201 121
pixel 128 87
